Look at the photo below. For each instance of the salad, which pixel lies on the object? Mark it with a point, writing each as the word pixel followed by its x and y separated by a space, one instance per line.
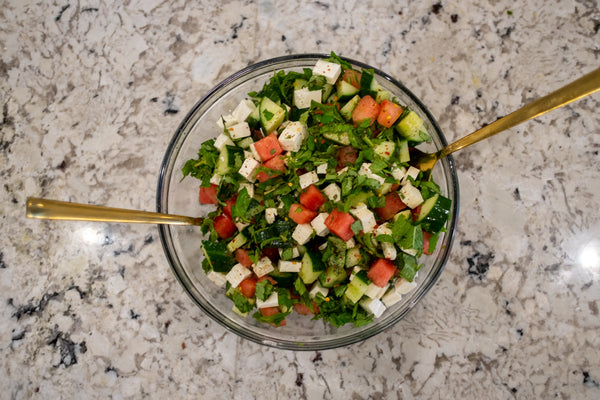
pixel 317 208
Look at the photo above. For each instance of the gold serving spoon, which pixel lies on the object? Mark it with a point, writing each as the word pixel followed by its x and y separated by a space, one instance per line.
pixel 575 90
pixel 64 210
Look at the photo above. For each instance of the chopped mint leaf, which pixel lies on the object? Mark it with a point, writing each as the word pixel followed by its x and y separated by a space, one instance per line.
pixel 264 289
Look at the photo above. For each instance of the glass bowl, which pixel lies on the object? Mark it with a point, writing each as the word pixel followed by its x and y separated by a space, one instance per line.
pixel 182 244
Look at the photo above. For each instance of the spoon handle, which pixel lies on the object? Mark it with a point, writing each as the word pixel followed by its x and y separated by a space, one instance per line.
pixel 575 90
pixel 63 210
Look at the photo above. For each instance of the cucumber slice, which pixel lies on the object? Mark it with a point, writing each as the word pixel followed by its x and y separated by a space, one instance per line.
pixel 338 137
pixel 245 142
pixel 312 267
pixel 238 241
pixel 346 111
pixel 218 256
pixel 345 91
pixel 299 83
pixel 284 279
pixel 404 155
pixel 254 118
pixel 271 115
pixel 333 275
pixel 357 287
pixel 327 91
pixel 411 128
pixel 230 158
pixel 353 257
pixel 380 93
pixel 434 213
pixel 385 150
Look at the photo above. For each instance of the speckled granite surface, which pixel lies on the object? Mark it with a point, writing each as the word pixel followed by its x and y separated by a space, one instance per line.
pixel 91 93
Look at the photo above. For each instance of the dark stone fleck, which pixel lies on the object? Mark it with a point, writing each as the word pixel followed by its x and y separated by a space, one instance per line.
pixel 283 38
pixel 89 9
pixel 520 332
pixel 149 239
pixel 170 107
pixel 436 8
pixel 60 13
pixel 18 336
pixel 62 166
pixel 154 99
pixel 516 194
pixel 479 264
pixel 455 100
pixel 454 18
pixel 2 263
pixel 119 252
pixel 322 5
pixel 110 369
pixel 479 94
pixel 589 381
pixel 466 242
pixel 30 308
pixel 81 293
pixel 506 32
pixel 425 19
pixel 299 379
pixel 68 349
pixel 133 314
pixel 514 390
pixel 317 358
pixel 237 27
pixel 596 26
pixel 506 309
pixel 122 271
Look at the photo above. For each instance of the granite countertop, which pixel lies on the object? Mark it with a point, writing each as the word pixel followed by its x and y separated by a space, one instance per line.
pixel 90 96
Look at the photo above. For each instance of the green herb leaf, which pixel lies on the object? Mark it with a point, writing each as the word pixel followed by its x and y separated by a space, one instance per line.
pixel 263 290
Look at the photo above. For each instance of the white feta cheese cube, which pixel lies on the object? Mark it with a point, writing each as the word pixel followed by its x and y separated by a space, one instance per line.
pixel 249 188
pixel 249 154
pixel 375 292
pixel 382 229
pixel 410 195
pixel 403 286
pixel 271 301
pixel 412 252
pixel 225 121
pixel 222 140
pixel 303 97
pixel 389 250
pixel 412 172
pixel 290 266
pixel 295 252
pixel 350 243
pixel 241 225
pixel 217 277
pixel 342 171
pixel 302 233
pixel 216 179
pixel 365 216
pixel 248 169
pixel 237 274
pixel 292 137
pixel 373 306
pixel 254 153
pixel 333 192
pixel 239 130
pixel 317 288
pixel 365 169
pixel 322 169
pixel 318 224
pixel 330 70
pixel 270 214
pixel 308 179
pixel 391 298
pixel 322 247
pixel 398 172
pixel 243 110
pixel 263 267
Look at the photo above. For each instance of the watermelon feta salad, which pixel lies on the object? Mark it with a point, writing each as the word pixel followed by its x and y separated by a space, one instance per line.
pixel 317 208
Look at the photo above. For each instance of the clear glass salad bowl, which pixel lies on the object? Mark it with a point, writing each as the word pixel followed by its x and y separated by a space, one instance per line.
pixel 182 244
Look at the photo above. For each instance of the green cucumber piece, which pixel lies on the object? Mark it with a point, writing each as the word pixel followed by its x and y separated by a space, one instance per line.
pixel 245 142
pixel 357 287
pixel 254 118
pixel 434 213
pixel 312 267
pixel 345 91
pixel 334 274
pixel 353 257
pixel 338 137
pixel 299 83
pixel 238 241
pixel 218 256
pixel 327 91
pixel 411 127
pixel 271 114
pixel 385 149
pixel 230 158
pixel 404 154
pixel 347 109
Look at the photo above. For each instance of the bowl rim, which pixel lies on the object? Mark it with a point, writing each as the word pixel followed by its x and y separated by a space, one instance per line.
pixel 326 343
